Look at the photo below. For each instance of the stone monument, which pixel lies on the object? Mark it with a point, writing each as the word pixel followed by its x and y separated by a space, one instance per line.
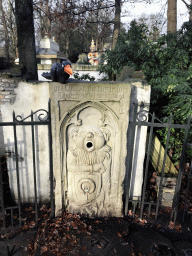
pixel 91 121
pixel 90 132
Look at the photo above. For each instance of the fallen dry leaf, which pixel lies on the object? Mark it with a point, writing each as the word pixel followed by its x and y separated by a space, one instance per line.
pixel 43 208
pixel 130 213
pixel 119 234
pixel 178 228
pixel 171 225
pixel 28 209
pixel 83 249
pixel 90 228
pixel 44 249
pixel 142 221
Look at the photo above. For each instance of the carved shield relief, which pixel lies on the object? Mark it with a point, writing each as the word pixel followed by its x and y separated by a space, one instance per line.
pixel 88 188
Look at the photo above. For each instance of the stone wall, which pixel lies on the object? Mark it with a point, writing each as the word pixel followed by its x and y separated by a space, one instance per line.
pixel 27 97
pixel 90 144
pixel 77 68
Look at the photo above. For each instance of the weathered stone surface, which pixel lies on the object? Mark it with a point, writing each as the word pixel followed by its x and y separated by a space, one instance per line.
pixel 88 162
pixel 91 122
pixel 28 97
pixel 167 190
pixel 140 94
pixel 90 133
pixel 7 93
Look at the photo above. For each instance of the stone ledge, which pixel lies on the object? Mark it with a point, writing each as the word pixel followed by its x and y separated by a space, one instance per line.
pixel 44 66
pixel 79 67
pixel 75 67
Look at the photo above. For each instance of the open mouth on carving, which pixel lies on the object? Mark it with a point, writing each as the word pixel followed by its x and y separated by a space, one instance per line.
pixel 89 145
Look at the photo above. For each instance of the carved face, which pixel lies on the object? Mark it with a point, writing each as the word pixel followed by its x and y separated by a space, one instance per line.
pixel 90 138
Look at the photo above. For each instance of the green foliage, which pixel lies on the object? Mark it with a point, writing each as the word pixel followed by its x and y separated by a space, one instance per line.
pixel 132 49
pixel 169 72
pixel 167 66
pixel 126 72
pixel 175 142
pixel 84 77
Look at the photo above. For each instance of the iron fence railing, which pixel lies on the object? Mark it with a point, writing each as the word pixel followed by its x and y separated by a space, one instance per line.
pixel 43 118
pixel 188 189
pixel 143 118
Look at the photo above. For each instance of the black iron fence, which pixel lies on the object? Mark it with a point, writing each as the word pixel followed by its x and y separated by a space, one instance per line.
pixel 43 118
pixel 187 189
pixel 141 118
pixel 159 166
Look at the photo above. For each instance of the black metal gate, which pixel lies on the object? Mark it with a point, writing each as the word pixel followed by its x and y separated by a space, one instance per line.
pixel 43 118
pixel 144 118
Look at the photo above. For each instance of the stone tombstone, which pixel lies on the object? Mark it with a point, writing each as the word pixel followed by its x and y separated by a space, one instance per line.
pixel 90 123
pixel 91 144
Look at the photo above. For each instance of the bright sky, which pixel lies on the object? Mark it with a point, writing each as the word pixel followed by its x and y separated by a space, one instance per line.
pixel 135 10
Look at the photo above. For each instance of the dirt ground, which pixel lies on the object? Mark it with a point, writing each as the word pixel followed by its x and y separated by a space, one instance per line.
pixel 69 234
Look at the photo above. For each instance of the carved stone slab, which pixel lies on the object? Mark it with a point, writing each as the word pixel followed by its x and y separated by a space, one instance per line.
pixel 91 144
pixel 90 122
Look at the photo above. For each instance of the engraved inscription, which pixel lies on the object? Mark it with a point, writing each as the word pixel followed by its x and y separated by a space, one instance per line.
pixel 98 91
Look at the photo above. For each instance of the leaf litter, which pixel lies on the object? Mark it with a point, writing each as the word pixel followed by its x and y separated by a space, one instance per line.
pixel 59 236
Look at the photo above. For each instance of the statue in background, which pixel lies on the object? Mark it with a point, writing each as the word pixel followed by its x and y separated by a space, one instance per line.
pixel 93 55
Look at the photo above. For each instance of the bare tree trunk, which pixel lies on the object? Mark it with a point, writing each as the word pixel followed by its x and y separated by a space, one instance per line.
pixel 47 20
pixel 41 22
pixel 67 47
pixel 26 37
pixel 116 30
pixel 5 32
pixel 12 31
pixel 190 11
pixel 172 16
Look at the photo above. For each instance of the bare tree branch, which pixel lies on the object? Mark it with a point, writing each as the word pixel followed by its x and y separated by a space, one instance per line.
pixel 188 5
